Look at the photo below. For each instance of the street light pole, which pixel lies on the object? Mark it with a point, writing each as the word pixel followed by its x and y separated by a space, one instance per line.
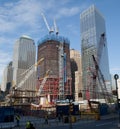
pixel 116 77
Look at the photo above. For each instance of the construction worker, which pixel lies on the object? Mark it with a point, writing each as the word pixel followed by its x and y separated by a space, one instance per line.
pixel 46 119
pixel 17 117
pixel 29 125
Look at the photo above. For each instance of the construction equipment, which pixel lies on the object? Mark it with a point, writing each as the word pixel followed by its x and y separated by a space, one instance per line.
pixel 43 83
pixel 102 83
pixel 98 80
pixel 48 27
pixel 98 77
pixel 28 73
pixel 94 106
pixel 39 91
pixel 55 27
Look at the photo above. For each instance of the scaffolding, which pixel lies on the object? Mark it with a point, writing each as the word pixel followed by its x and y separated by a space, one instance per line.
pixel 51 89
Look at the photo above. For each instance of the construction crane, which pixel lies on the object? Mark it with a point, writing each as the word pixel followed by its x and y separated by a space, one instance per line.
pixel 28 73
pixel 97 75
pixel 39 91
pixel 102 83
pixel 47 25
pixel 43 83
pixel 55 27
pixel 93 69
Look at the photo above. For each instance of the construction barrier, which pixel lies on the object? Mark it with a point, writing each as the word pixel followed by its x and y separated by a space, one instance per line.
pixel 66 119
pixel 97 117
pixel 90 115
pixel 73 119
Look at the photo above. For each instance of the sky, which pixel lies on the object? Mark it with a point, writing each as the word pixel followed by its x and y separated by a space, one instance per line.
pixel 23 17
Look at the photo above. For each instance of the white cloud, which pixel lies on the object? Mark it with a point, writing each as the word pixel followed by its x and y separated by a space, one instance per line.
pixel 22 13
pixel 69 11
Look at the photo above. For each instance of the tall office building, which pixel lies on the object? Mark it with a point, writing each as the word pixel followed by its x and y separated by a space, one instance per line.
pixel 76 71
pixel 7 78
pixel 23 58
pixel 92 27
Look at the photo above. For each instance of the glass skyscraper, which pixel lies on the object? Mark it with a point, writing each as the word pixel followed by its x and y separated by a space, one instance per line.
pixel 92 26
pixel 23 58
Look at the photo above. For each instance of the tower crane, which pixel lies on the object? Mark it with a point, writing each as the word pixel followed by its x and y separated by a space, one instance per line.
pixel 101 80
pixel 94 69
pixel 43 82
pixel 55 27
pixel 97 74
pixel 40 89
pixel 28 73
pixel 103 89
pixel 48 27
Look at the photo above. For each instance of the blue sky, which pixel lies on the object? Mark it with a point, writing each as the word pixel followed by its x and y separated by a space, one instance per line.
pixel 23 17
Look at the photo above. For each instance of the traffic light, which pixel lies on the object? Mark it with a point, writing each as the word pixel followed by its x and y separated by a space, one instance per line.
pixel 71 107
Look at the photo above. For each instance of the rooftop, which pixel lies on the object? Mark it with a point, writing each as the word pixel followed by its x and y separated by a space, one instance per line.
pixel 53 37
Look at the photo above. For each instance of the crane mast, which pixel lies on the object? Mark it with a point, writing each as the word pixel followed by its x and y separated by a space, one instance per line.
pixel 43 82
pixel 101 80
pixel 48 27
pixel 28 73
pixel 55 27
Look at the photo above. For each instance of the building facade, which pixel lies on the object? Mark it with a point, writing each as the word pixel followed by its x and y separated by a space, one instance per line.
pixel 23 58
pixel 76 72
pixel 92 27
pixel 55 51
pixel 7 78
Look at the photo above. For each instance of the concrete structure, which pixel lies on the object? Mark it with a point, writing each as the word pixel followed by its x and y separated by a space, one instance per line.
pixel 92 26
pixel 23 58
pixel 76 71
pixel 55 51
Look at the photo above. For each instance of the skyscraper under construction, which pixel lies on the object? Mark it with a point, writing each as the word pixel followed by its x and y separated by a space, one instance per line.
pixel 55 51
pixel 93 42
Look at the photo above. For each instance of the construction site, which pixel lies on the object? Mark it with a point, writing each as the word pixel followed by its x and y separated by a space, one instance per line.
pixel 51 75
pixel 53 81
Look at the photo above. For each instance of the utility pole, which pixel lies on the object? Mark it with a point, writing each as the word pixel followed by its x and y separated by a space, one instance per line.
pixel 116 77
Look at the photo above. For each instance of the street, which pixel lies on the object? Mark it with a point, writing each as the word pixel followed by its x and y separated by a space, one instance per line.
pixel 101 124
pixel 104 123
